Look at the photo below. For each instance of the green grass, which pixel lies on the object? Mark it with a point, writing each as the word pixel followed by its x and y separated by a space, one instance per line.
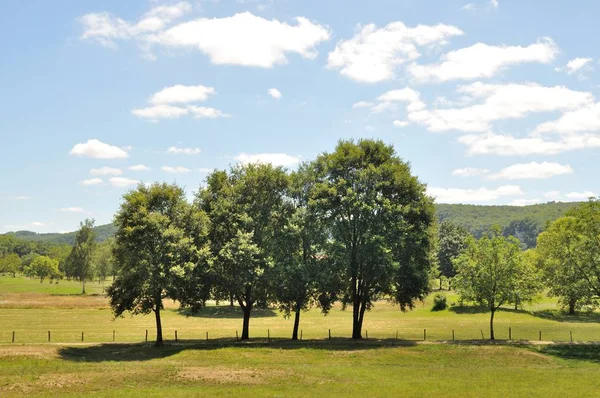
pixel 298 370
pixel 8 284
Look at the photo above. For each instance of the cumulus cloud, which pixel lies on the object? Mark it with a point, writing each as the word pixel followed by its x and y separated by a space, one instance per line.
pixel 122 182
pixel 374 54
pixel 92 181
pixel 483 61
pixel 469 172
pixel 276 159
pixel 160 112
pixel 184 151
pixel 273 92
pixel 98 150
pixel 576 65
pixel 176 169
pixel 532 170
pixel 400 123
pixel 477 195
pixel 139 167
pixel 580 195
pixel 105 171
pixel 181 94
pixel 203 112
pixel 585 119
pixel 524 202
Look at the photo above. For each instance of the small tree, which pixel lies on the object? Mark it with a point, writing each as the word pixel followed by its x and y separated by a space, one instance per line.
pixel 160 252
pixel 80 263
pixel 43 267
pixel 103 260
pixel 10 264
pixel 452 241
pixel 490 271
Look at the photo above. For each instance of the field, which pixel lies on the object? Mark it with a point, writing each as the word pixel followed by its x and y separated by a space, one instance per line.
pixel 380 366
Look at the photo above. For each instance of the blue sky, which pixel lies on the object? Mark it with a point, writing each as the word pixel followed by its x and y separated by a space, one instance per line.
pixel 492 102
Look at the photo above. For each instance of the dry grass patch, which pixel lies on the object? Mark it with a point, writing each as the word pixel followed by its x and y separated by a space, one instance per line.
pixel 41 352
pixel 227 375
pixel 45 301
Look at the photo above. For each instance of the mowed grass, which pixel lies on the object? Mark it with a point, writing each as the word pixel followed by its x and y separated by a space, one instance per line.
pixel 300 369
pixel 31 314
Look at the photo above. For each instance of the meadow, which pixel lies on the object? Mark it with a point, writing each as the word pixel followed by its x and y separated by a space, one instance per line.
pixel 316 366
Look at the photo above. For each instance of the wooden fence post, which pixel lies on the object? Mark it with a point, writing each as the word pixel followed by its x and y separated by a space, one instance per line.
pixel 540 335
pixel 146 335
pixel 452 334
pixel 509 333
pixel 13 337
pixel 82 336
pixel 113 336
pixel 571 333
pixel 176 336
pixel 48 336
pixel 424 334
pixel 206 336
pixel 268 335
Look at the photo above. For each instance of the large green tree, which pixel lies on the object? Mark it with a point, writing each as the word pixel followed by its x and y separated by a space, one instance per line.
pixel 379 221
pixel 305 276
pixel 10 264
pixel 490 272
pixel 43 267
pixel 160 251
pixel 247 211
pixel 452 241
pixel 559 256
pixel 80 263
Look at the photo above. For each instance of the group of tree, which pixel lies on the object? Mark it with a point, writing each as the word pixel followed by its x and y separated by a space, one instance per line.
pixel 353 226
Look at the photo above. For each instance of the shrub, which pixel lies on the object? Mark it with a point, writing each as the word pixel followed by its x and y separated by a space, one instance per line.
pixel 439 302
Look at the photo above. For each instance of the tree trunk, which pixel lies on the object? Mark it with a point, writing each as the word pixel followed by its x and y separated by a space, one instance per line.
pixel 296 324
pixel 83 284
pixel 492 324
pixel 159 337
pixel 357 319
pixel 231 299
pixel 245 328
pixel 572 306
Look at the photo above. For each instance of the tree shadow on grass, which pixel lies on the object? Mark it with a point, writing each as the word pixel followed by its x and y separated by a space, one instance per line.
pixel 225 311
pixel 147 352
pixel 476 309
pixel 563 316
pixel 582 352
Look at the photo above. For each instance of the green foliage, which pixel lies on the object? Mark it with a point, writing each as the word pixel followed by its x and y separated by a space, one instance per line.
pixel 43 267
pixel 160 251
pixel 103 260
pixel 452 241
pixel 380 222
pixel 102 233
pixel 491 272
pixel 10 264
pixel 439 302
pixel 80 262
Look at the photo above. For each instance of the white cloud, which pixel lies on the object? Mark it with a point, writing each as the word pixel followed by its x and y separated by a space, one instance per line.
pixel 37 224
pixel 106 28
pixel 245 39
pixel 72 210
pixel 273 92
pixel 580 195
pixel 92 181
pixel 483 61
pixel 122 182
pixel 181 94
pixel 383 106
pixel 374 54
pixel 506 145
pixel 362 104
pixel 98 150
pixel 160 112
pixel 176 169
pixel 400 123
pixel 584 119
pixel 499 102
pixel 458 195
pixel 406 94
pixel 276 159
pixel 552 194
pixel 532 170
pixel 469 172
pixel 524 202
pixel 105 171
pixel 139 167
pixel 203 112
pixel 577 64
pixel 185 151
pixel 494 3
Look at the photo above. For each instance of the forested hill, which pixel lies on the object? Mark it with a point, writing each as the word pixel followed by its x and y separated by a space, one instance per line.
pixel 477 219
pixel 103 232
pixel 514 220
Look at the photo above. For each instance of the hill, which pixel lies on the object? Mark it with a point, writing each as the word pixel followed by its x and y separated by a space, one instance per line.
pixel 521 221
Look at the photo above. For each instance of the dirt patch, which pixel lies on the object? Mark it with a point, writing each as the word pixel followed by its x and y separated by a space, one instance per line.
pixel 225 375
pixel 40 300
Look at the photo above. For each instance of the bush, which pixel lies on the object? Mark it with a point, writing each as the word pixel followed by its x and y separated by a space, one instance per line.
pixel 439 302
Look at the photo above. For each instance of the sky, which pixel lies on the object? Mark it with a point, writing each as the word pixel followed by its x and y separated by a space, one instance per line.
pixel 491 102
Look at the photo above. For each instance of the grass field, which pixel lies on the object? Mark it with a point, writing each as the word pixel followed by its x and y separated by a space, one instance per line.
pixel 316 366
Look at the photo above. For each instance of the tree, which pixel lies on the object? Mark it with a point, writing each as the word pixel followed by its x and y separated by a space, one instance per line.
pixel 305 275
pixel 489 272
pixel 160 251
pixel 103 260
pixel 380 224
pixel 452 242
pixel 526 230
pixel 80 263
pixel 10 264
pixel 43 267
pixel 247 210
pixel 60 253
pixel 559 257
